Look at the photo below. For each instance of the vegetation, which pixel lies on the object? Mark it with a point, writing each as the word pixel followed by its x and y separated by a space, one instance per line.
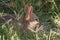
pixel 48 12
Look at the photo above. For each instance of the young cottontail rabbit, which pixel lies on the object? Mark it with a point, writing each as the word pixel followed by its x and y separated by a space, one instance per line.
pixel 29 21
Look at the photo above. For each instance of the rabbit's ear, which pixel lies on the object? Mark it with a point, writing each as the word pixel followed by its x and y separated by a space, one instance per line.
pixel 27 17
pixel 27 9
pixel 29 13
pixel 30 10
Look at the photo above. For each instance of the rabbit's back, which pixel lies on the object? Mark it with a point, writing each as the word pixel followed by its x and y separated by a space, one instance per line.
pixel 8 17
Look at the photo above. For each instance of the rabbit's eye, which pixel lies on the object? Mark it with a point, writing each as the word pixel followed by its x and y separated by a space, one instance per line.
pixel 36 19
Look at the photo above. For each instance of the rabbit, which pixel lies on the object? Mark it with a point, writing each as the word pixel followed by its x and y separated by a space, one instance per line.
pixel 29 22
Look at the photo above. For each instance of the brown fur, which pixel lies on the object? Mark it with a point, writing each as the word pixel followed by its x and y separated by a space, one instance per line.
pixel 27 21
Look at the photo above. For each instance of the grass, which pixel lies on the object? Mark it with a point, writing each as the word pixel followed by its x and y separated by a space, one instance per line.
pixel 48 12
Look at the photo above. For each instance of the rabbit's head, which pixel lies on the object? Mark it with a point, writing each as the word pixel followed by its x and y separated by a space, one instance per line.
pixel 30 16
